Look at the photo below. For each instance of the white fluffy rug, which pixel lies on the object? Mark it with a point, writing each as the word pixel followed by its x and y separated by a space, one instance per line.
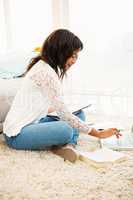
pixel 42 175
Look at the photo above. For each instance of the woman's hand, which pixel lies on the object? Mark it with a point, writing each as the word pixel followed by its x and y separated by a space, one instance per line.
pixel 105 133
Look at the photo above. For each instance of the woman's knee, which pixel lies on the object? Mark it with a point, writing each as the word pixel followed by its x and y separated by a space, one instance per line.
pixel 66 130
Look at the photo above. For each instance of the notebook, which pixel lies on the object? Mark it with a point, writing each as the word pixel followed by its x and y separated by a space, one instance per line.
pixel 102 157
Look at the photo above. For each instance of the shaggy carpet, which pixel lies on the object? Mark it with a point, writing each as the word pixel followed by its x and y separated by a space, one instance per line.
pixel 41 175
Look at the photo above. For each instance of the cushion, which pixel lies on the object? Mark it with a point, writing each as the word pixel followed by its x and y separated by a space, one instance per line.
pixel 8 89
pixel 38 49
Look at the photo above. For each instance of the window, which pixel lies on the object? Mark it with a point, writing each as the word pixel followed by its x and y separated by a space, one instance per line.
pixel 105 66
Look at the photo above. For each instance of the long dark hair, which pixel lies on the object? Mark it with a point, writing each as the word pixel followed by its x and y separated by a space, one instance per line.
pixel 56 49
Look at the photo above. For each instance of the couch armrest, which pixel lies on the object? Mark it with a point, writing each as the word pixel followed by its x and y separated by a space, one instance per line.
pixel 1 127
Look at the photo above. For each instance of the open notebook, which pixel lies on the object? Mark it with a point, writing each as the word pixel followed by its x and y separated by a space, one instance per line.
pixel 102 157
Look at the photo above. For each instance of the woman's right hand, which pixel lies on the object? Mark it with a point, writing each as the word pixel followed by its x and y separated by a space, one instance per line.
pixel 105 133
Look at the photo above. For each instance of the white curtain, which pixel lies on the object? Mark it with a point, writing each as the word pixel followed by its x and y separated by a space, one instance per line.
pixel 2 27
pixel 24 24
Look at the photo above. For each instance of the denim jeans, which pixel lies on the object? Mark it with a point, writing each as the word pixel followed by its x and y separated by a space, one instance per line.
pixel 46 133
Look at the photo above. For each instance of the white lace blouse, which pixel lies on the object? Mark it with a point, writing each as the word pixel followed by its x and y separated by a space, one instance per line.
pixel 40 89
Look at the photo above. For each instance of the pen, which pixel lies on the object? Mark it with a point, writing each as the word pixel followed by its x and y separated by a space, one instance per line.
pixel 100 143
pixel 118 142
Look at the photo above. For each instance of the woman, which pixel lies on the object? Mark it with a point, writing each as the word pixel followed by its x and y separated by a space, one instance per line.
pixel 27 125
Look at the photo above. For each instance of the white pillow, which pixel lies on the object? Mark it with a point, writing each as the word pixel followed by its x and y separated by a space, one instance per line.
pixel 8 89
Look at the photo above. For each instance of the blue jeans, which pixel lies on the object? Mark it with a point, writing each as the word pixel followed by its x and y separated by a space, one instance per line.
pixel 46 133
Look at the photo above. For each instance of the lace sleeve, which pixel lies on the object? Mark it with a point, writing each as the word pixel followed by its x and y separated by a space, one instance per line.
pixel 49 83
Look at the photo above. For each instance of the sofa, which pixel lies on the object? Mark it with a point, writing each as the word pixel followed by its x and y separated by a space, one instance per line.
pixel 12 64
pixel 8 89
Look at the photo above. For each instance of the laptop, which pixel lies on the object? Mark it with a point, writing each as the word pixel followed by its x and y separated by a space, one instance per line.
pixel 74 109
pixel 124 143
